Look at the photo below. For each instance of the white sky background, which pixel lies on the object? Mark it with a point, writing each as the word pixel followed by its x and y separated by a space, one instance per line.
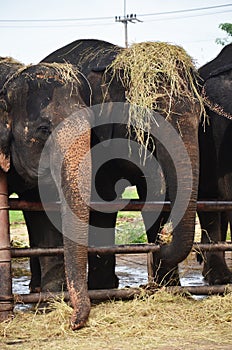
pixel 31 41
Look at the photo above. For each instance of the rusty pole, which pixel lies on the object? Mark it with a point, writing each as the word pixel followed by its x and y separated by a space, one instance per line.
pixel 124 293
pixel 6 298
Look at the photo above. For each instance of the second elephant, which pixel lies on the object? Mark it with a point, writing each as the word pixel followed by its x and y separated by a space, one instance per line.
pixel 215 139
pixel 94 58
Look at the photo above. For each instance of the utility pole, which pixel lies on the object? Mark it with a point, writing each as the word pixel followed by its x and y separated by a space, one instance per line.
pixel 125 19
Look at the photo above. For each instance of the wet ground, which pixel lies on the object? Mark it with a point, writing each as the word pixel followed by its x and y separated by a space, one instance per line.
pixel 131 270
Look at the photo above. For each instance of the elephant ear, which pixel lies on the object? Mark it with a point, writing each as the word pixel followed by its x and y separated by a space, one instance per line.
pixel 102 106
pixel 5 136
pixel 105 92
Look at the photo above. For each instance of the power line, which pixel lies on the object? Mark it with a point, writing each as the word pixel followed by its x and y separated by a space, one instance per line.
pixel 186 10
pixel 188 16
pixel 57 19
pixel 110 18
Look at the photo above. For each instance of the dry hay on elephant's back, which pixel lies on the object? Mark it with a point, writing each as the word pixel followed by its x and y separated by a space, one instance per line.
pixel 155 75
pixel 64 73
pixel 9 60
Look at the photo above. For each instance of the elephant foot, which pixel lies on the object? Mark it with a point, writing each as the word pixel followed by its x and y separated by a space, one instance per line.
pixel 34 289
pixel 54 280
pixel 216 271
pixel 103 281
pixel 102 272
pixel 166 276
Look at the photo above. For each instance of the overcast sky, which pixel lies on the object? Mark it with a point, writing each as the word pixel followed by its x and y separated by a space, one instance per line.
pixel 31 29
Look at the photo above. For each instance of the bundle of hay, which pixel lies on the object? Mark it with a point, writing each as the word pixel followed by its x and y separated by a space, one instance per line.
pixel 61 72
pixel 155 75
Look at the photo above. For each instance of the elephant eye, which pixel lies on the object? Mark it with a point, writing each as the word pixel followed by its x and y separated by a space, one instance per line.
pixel 43 128
pixel 43 132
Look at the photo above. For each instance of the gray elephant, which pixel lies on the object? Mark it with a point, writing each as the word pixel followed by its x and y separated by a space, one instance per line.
pixel 94 58
pixel 215 159
pixel 42 113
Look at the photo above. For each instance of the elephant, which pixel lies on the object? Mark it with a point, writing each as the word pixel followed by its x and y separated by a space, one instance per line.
pixel 215 181
pixel 44 136
pixel 94 58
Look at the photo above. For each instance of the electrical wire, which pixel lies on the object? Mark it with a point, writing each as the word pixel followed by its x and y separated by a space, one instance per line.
pixel 21 21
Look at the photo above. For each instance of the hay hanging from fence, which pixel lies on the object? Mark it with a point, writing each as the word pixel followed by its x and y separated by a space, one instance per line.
pixel 155 75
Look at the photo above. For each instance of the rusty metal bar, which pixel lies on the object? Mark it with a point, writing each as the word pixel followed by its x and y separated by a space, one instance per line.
pixel 201 290
pixel 207 205
pixel 133 205
pixel 28 252
pixel 136 205
pixel 16 204
pixel 122 205
pixel 125 294
pixel 212 247
pixel 118 249
pixel 6 302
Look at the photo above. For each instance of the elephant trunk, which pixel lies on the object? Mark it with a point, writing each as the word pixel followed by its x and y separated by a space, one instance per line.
pixel 73 179
pixel 183 233
pixel 181 172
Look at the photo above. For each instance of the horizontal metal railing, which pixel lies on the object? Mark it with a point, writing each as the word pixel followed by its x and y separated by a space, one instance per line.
pixel 122 205
pixel 7 301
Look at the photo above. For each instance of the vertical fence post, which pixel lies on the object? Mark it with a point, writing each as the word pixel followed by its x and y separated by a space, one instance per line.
pixel 6 300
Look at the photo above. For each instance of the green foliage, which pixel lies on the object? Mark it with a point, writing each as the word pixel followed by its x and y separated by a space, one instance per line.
pixel 129 226
pixel 16 217
pixel 130 193
pixel 227 27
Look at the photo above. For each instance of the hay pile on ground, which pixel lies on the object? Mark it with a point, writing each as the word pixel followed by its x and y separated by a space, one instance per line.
pixel 155 76
pixel 162 321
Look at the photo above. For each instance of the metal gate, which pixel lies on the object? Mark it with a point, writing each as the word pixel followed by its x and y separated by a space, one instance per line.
pixel 7 300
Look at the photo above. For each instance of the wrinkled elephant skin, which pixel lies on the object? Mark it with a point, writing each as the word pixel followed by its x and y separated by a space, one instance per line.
pixel 41 112
pixel 215 159
pixel 99 55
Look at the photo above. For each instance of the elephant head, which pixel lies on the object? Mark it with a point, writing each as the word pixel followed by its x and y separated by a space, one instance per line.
pixel 43 112
pixel 8 66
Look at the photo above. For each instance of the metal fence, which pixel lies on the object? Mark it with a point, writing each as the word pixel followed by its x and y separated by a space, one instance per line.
pixel 8 300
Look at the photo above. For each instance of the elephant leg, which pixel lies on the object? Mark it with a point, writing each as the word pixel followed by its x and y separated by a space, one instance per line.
pixel 47 271
pixel 224 225
pixel 161 272
pixel 154 225
pixel 215 269
pixel 35 282
pixel 102 267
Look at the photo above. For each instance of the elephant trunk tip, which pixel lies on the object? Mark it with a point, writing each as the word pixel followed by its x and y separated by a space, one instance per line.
pixel 80 318
pixel 81 308
pixel 77 324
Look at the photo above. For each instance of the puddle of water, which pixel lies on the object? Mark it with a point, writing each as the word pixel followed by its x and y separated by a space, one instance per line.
pixel 131 270
pixel 20 285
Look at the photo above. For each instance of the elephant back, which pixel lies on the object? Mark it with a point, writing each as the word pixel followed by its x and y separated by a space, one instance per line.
pixel 8 66
pixel 86 54
pixel 220 64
